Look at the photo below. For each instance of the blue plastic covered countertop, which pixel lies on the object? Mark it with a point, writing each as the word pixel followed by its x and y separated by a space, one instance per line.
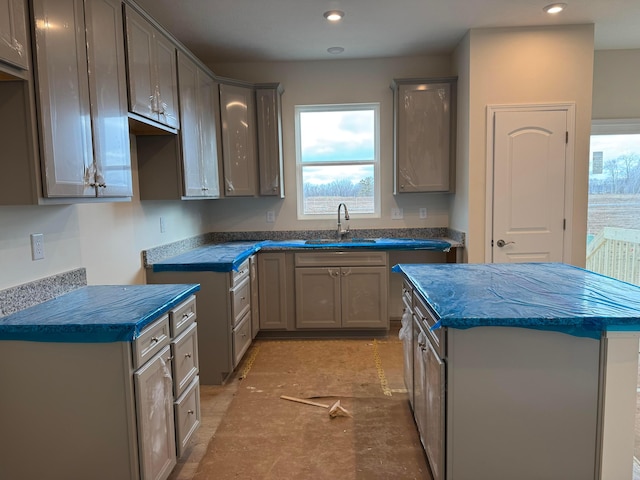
pixel 550 296
pixel 225 257
pixel 95 314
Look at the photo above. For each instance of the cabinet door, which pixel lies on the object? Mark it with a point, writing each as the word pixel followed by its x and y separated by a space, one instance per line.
pixel 108 94
pixel 419 380
pixel 13 33
pixel 255 299
pixel 434 416
pixel 141 66
pixel 166 80
pixel 154 412
pixel 198 130
pixel 237 106
pixel 269 122
pixel 423 137
pixel 364 297
pixel 318 297
pixel 273 290
pixel 63 97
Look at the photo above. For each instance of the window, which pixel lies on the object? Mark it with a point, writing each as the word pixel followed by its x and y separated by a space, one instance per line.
pixel 337 158
pixel 613 224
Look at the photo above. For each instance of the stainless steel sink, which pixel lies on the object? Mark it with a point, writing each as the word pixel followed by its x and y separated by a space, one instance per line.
pixel 323 241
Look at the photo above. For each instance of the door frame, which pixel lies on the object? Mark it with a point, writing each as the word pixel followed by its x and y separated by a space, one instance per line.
pixel 570 108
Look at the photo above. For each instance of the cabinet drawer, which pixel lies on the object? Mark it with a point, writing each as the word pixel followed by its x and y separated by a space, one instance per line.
pixel 187 414
pixel 241 274
pixel 424 315
pixel 184 350
pixel 182 316
pixel 151 340
pixel 240 300
pixel 241 339
pixel 340 259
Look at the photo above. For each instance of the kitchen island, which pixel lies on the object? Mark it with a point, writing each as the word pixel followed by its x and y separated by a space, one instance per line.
pixel 99 383
pixel 524 371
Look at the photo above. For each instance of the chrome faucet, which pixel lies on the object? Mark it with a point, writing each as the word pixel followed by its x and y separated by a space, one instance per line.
pixel 341 232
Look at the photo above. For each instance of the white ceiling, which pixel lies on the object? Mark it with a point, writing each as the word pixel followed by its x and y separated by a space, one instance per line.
pixel 273 30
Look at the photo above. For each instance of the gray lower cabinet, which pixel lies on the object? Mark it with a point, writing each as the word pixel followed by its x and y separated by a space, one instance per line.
pixel 224 312
pixel 101 410
pixel 424 134
pixel 345 290
pixel 238 117
pixel 276 290
pixel 13 33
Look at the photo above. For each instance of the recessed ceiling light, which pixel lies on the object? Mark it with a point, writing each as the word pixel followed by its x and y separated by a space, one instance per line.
pixel 555 8
pixel 335 50
pixel 334 15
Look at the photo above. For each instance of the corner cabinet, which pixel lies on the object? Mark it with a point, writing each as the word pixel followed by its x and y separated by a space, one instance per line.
pixel 269 123
pixel 153 84
pixel 238 116
pixel 13 33
pixel 81 93
pixel 424 134
pixel 341 290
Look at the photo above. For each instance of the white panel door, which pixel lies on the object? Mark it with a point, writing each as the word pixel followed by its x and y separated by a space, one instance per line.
pixel 530 154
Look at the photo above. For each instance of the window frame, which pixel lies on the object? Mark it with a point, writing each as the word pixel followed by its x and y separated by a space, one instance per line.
pixel 337 107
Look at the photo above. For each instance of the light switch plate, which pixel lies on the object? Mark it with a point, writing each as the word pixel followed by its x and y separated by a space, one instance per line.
pixel 396 214
pixel 271 216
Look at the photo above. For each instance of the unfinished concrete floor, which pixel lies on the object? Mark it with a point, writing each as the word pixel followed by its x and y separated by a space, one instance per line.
pixel 249 432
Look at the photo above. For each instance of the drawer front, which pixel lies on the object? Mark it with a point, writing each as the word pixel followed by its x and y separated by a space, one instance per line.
pixel 239 275
pixel 240 300
pixel 241 339
pixel 424 315
pixel 187 414
pixel 341 259
pixel 151 340
pixel 184 350
pixel 182 316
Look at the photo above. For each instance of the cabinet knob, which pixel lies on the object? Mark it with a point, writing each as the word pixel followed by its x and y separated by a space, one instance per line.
pixel 155 339
pixel 187 355
pixel 185 315
pixel 190 412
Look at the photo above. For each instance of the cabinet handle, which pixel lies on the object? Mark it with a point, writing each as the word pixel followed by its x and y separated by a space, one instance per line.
pixel 190 412
pixel 155 339
pixel 346 272
pixel 185 316
pixel 168 359
pixel 187 355
pixel 333 273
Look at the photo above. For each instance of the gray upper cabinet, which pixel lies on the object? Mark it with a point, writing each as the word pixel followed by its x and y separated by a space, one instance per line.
pixel 153 88
pixel 82 98
pixel 13 33
pixel 200 135
pixel 424 134
pixel 237 112
pixel 269 123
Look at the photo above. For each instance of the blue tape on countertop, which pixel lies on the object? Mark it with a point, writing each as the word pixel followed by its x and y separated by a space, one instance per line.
pixel 95 314
pixel 548 296
pixel 225 257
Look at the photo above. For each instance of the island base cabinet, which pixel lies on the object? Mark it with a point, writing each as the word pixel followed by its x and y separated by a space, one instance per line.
pixel 521 403
pixel 67 411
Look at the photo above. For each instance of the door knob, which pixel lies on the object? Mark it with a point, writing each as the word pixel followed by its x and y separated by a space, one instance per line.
pixel 501 243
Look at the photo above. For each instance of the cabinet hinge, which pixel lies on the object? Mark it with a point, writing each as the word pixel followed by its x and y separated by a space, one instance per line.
pixel 566 138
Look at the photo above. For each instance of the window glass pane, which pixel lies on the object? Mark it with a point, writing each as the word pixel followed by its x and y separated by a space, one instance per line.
pixel 324 187
pixel 335 136
pixel 613 226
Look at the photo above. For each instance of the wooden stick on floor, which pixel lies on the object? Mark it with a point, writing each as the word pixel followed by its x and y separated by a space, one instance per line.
pixel 302 400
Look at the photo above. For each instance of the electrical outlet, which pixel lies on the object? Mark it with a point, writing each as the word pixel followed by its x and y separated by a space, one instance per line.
pixel 423 213
pixel 271 216
pixel 37 246
pixel 396 214
pixel 163 225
